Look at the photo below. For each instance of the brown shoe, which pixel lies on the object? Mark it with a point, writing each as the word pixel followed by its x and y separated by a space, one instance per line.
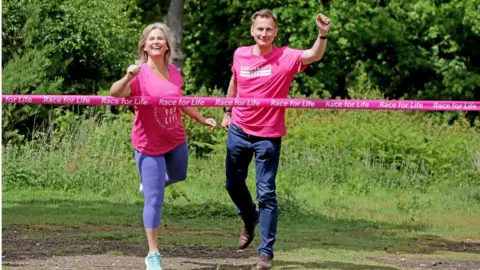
pixel 246 236
pixel 264 262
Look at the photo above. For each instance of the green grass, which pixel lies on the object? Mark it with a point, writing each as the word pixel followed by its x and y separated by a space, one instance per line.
pixel 343 233
pixel 351 186
pixel 356 150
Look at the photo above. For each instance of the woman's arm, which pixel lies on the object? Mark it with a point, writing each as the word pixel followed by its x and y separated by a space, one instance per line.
pixel 195 114
pixel 121 88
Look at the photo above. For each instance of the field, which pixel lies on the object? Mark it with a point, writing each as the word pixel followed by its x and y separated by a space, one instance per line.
pixel 357 190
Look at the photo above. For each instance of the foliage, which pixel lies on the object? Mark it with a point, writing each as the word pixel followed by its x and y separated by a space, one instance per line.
pixel 62 46
pixel 94 42
pixel 357 150
pixel 376 49
pixel 27 74
pixel 75 152
pixel 411 49
pixel 200 140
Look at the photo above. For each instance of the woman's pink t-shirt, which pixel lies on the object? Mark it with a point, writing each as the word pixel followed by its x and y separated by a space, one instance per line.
pixel 267 76
pixel 157 130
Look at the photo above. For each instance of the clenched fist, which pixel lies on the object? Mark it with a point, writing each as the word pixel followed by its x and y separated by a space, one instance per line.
pixel 323 24
pixel 133 70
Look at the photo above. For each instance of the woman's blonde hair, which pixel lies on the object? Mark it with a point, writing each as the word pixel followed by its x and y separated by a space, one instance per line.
pixel 143 56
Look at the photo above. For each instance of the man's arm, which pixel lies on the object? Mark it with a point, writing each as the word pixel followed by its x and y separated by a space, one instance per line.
pixel 316 52
pixel 232 88
pixel 231 93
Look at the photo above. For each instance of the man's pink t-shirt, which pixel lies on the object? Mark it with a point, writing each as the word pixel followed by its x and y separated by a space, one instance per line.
pixel 157 130
pixel 266 76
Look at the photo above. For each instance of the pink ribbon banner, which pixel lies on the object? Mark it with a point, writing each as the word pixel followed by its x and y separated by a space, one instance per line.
pixel 299 103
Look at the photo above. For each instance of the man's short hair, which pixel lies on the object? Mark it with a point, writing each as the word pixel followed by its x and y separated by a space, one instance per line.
pixel 264 13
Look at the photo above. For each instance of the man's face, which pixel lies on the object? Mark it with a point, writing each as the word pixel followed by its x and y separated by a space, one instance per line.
pixel 264 31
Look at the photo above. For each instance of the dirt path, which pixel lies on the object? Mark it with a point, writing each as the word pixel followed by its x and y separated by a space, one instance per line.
pixel 65 248
pixel 54 247
pixel 129 262
pixel 416 261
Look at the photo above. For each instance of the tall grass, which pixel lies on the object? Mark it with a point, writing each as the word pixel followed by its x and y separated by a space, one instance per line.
pixel 361 149
pixel 411 162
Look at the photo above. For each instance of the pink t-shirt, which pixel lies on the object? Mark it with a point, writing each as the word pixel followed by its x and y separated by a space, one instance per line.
pixel 157 130
pixel 267 76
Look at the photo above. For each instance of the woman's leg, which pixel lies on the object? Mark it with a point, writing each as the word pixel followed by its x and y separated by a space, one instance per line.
pixel 152 173
pixel 177 164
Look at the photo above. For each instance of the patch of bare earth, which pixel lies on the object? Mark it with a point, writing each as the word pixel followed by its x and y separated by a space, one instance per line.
pixel 56 247
pixel 129 262
pixel 49 247
pixel 428 261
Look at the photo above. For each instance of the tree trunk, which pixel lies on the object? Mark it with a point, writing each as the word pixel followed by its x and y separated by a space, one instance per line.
pixel 175 22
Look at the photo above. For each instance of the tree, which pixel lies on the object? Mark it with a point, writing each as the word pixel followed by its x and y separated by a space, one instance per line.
pixel 175 22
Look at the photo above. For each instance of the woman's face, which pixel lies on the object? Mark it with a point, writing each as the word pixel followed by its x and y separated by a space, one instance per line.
pixel 156 44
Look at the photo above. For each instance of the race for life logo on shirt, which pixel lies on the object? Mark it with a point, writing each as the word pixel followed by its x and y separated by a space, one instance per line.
pixel 167 117
pixel 256 71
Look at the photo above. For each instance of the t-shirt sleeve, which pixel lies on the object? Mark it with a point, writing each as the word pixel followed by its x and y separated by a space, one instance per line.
pixel 234 64
pixel 295 58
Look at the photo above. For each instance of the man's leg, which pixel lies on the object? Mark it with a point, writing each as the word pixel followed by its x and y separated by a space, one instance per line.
pixel 267 157
pixel 239 156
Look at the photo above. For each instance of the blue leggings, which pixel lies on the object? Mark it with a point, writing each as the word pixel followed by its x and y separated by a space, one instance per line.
pixel 157 172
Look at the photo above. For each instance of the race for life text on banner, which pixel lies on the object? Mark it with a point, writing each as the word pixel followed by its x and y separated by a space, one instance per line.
pixel 300 103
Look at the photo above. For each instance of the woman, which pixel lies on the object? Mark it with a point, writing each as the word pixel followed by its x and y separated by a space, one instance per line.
pixel 158 135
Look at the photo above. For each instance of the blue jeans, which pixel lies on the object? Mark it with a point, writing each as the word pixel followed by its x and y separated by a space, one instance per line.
pixel 241 147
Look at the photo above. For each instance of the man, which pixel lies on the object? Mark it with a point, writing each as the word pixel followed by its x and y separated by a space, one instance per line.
pixel 262 71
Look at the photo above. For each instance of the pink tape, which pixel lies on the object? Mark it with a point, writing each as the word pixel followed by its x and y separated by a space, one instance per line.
pixel 419 105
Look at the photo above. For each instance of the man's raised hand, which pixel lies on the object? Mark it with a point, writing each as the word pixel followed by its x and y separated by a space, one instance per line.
pixel 323 24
